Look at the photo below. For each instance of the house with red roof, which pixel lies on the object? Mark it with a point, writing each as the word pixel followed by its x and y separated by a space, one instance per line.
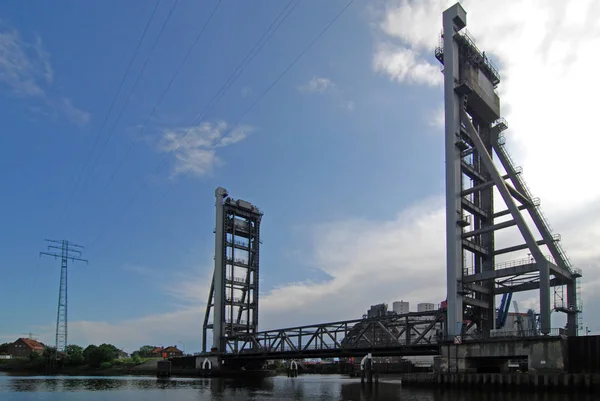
pixel 168 352
pixel 157 352
pixel 24 347
pixel 172 351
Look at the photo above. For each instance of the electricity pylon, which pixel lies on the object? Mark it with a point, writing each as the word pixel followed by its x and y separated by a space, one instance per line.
pixel 65 248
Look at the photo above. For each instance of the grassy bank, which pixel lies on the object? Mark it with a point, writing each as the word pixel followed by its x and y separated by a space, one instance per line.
pixel 116 367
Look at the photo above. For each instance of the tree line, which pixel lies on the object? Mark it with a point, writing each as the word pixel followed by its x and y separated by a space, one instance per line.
pixel 94 356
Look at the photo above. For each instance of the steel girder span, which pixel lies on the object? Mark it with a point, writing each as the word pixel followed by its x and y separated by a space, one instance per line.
pixel 415 333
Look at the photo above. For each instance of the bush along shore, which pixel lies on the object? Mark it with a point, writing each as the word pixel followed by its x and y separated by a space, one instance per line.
pixel 104 359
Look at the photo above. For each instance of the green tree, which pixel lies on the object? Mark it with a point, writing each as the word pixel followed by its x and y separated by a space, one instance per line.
pixel 74 354
pixel 144 351
pixel 49 353
pixel 4 348
pixel 88 351
pixel 98 355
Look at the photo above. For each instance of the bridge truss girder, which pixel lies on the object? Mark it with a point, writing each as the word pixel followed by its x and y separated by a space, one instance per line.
pixel 416 333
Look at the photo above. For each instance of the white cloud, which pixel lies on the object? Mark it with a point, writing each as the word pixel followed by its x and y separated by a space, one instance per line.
pixel 25 69
pixel 73 114
pixel 165 328
pixel 317 85
pixel 438 119
pixel 403 65
pixel 195 148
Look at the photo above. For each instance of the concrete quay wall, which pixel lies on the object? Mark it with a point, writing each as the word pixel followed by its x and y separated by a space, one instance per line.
pixel 541 354
pixel 506 381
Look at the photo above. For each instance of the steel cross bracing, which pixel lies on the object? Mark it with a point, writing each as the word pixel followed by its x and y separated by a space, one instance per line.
pixel 416 333
pixel 233 294
pixel 72 252
pixel 473 178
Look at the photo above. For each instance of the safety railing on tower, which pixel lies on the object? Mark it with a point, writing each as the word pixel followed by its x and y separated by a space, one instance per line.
pixel 538 210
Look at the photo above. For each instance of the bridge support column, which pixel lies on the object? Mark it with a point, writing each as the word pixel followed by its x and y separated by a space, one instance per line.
pixel 292 370
pixel 206 365
pixel 368 370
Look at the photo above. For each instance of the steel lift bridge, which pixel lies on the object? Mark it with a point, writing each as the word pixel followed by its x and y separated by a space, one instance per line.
pixel 478 169
pixel 233 306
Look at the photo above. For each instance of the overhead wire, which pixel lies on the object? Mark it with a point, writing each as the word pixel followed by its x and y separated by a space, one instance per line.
pixel 110 108
pixel 242 116
pixel 223 89
pixel 249 57
pixel 131 90
pixel 161 97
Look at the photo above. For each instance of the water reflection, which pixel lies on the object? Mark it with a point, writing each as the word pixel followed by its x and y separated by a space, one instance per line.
pixel 305 387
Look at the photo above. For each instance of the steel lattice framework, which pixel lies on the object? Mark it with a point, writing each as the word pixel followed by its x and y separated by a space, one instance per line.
pixel 68 250
pixel 233 294
pixel 474 127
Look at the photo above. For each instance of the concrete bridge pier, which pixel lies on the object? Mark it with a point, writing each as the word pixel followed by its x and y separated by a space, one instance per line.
pixel 292 370
pixel 368 370
pixel 207 365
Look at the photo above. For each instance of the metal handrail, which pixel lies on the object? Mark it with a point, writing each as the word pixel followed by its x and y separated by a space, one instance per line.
pixel 526 333
pixel 471 41
pixel 236 280
pixel 541 214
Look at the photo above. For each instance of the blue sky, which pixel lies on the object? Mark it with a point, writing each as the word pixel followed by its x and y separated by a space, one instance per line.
pixel 342 152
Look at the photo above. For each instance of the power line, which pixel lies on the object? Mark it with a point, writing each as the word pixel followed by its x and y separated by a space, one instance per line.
pixel 112 104
pixel 222 90
pixel 252 53
pixel 170 83
pixel 137 80
pixel 263 94
pixel 285 71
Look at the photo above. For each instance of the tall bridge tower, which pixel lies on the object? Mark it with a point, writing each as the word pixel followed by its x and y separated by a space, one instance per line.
pixel 473 135
pixel 233 295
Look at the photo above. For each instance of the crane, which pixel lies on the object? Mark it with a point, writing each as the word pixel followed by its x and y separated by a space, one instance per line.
pixel 503 310
pixel 520 329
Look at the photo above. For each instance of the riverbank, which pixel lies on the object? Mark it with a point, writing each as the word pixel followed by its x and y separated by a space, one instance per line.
pixel 27 367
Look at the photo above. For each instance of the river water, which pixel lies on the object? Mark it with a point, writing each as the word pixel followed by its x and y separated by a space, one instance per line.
pixel 304 387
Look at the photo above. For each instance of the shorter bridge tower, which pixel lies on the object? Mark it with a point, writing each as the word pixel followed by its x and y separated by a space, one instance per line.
pixel 233 295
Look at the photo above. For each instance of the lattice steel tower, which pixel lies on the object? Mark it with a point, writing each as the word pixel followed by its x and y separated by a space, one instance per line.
pixel 233 295
pixel 473 127
pixel 65 248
